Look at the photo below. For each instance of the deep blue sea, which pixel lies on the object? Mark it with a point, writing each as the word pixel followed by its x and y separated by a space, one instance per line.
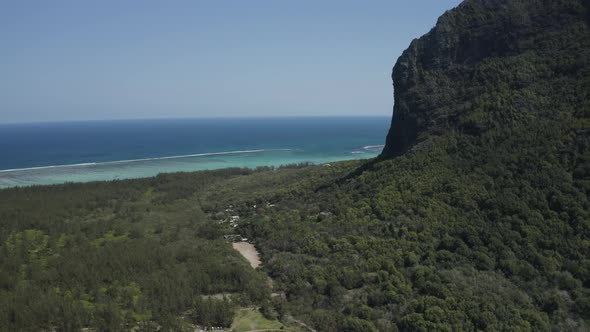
pixel 49 153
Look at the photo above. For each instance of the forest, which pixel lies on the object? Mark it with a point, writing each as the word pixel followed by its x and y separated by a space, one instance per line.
pixel 116 256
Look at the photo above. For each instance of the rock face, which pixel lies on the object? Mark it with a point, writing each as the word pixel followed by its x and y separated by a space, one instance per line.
pixel 481 50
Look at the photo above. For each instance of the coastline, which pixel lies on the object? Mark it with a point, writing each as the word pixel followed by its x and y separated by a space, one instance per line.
pixel 148 167
pixel 54 153
pixel 139 160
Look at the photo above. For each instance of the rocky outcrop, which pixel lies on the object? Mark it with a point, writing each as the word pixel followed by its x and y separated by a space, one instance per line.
pixel 477 52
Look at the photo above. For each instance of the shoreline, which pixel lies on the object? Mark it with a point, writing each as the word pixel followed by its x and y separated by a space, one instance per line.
pixel 143 159
pixel 110 171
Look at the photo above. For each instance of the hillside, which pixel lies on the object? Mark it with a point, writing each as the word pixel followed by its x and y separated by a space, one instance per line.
pixel 481 221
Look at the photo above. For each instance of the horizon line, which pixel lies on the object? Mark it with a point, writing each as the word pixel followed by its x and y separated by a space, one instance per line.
pixel 194 118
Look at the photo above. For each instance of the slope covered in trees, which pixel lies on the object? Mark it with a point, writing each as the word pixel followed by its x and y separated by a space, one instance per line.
pixel 482 221
pixel 119 255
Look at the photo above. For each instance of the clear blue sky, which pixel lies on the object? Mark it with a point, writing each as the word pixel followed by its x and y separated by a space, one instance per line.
pixel 109 59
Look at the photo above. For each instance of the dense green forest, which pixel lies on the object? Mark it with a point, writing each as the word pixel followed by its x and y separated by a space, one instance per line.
pixel 118 255
pixel 479 219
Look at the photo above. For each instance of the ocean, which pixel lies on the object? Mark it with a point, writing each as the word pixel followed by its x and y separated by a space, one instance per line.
pixel 52 153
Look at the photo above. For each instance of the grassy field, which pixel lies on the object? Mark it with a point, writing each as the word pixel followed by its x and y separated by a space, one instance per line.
pixel 249 319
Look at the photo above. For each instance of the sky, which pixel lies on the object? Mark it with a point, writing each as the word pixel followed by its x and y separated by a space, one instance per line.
pixel 64 60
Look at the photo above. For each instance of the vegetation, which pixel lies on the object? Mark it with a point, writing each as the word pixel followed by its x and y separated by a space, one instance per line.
pixel 251 319
pixel 117 255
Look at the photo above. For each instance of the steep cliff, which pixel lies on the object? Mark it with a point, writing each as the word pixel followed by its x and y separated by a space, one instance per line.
pixel 490 63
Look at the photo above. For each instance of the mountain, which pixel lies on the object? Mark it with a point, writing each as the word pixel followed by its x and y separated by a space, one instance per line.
pixel 476 215
pixel 489 64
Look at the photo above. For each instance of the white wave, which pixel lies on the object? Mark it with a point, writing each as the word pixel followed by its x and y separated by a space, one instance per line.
pixel 373 147
pixel 44 167
pixel 145 159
